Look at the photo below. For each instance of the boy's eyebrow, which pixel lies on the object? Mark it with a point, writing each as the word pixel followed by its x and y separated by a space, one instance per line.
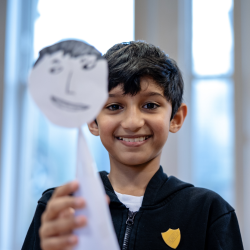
pixel 146 94
pixel 153 94
pixel 114 95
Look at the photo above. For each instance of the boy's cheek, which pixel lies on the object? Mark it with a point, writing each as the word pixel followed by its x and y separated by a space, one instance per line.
pixel 106 125
pixel 160 125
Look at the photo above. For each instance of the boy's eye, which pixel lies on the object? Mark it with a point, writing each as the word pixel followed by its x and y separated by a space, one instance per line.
pixel 150 106
pixel 114 107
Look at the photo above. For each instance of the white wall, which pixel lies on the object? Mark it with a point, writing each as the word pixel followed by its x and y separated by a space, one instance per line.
pixel 242 115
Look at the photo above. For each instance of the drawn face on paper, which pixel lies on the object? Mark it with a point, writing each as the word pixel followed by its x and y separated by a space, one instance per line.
pixel 70 91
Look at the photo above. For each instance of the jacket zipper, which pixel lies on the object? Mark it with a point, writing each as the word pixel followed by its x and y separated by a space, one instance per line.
pixel 129 222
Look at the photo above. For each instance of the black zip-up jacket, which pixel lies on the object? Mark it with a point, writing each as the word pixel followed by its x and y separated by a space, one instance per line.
pixel 204 219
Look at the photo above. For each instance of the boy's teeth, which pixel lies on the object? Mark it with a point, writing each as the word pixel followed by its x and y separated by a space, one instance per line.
pixel 133 139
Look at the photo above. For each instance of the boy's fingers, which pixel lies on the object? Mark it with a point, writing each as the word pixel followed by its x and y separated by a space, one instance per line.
pixel 66 189
pixel 56 206
pixel 64 242
pixel 67 213
pixel 108 199
pixel 61 226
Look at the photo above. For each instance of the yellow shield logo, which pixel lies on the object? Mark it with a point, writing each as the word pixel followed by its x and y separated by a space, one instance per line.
pixel 172 237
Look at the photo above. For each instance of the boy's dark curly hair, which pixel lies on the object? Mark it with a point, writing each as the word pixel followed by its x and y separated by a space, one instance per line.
pixel 129 61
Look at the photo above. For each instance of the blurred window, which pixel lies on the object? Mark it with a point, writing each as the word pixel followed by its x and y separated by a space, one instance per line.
pixel 100 23
pixel 44 154
pixel 213 96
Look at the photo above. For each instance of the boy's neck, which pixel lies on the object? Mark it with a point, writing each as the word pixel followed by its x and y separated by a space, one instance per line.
pixel 132 180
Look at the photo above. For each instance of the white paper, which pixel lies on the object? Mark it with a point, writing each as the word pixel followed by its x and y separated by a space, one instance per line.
pixel 68 94
pixel 69 83
pixel 99 232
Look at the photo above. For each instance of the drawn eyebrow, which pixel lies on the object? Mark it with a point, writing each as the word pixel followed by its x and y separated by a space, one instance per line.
pixel 55 61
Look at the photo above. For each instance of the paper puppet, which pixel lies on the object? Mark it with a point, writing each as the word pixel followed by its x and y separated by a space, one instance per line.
pixel 69 84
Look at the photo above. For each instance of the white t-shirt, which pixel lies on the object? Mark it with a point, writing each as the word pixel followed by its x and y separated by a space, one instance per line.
pixel 133 203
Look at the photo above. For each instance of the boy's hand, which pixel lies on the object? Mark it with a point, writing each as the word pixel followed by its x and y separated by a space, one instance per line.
pixel 58 221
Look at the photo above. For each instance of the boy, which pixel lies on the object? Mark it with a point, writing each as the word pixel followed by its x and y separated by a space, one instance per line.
pixel 149 209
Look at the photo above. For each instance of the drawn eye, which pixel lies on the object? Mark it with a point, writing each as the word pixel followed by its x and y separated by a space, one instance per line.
pixel 88 65
pixel 55 70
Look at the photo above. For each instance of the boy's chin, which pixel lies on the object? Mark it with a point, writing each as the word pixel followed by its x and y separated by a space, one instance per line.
pixel 134 160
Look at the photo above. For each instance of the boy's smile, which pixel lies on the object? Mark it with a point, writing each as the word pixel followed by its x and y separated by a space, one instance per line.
pixel 133 141
pixel 135 128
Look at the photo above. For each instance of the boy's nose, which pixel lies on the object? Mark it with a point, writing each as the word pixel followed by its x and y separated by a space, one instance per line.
pixel 69 88
pixel 132 120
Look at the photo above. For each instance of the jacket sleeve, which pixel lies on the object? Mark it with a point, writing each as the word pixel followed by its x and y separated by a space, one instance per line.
pixel 32 240
pixel 224 233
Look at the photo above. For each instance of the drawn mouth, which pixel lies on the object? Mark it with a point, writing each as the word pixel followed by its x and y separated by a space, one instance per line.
pixel 67 105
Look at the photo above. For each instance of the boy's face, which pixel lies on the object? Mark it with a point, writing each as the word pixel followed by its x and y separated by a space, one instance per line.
pixel 134 129
pixel 69 90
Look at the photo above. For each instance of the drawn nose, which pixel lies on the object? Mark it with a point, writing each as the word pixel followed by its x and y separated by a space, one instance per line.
pixel 69 84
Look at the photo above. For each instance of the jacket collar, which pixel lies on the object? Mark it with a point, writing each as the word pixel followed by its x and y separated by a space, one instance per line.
pixel 159 188
pixel 114 201
pixel 153 187
pixel 151 191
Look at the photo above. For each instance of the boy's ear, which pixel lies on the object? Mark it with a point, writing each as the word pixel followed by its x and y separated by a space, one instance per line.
pixel 178 119
pixel 93 128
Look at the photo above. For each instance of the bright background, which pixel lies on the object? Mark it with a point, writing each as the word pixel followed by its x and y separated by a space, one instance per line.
pixel 36 155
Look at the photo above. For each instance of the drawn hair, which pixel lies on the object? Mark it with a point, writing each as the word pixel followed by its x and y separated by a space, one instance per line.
pixel 130 61
pixel 74 48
